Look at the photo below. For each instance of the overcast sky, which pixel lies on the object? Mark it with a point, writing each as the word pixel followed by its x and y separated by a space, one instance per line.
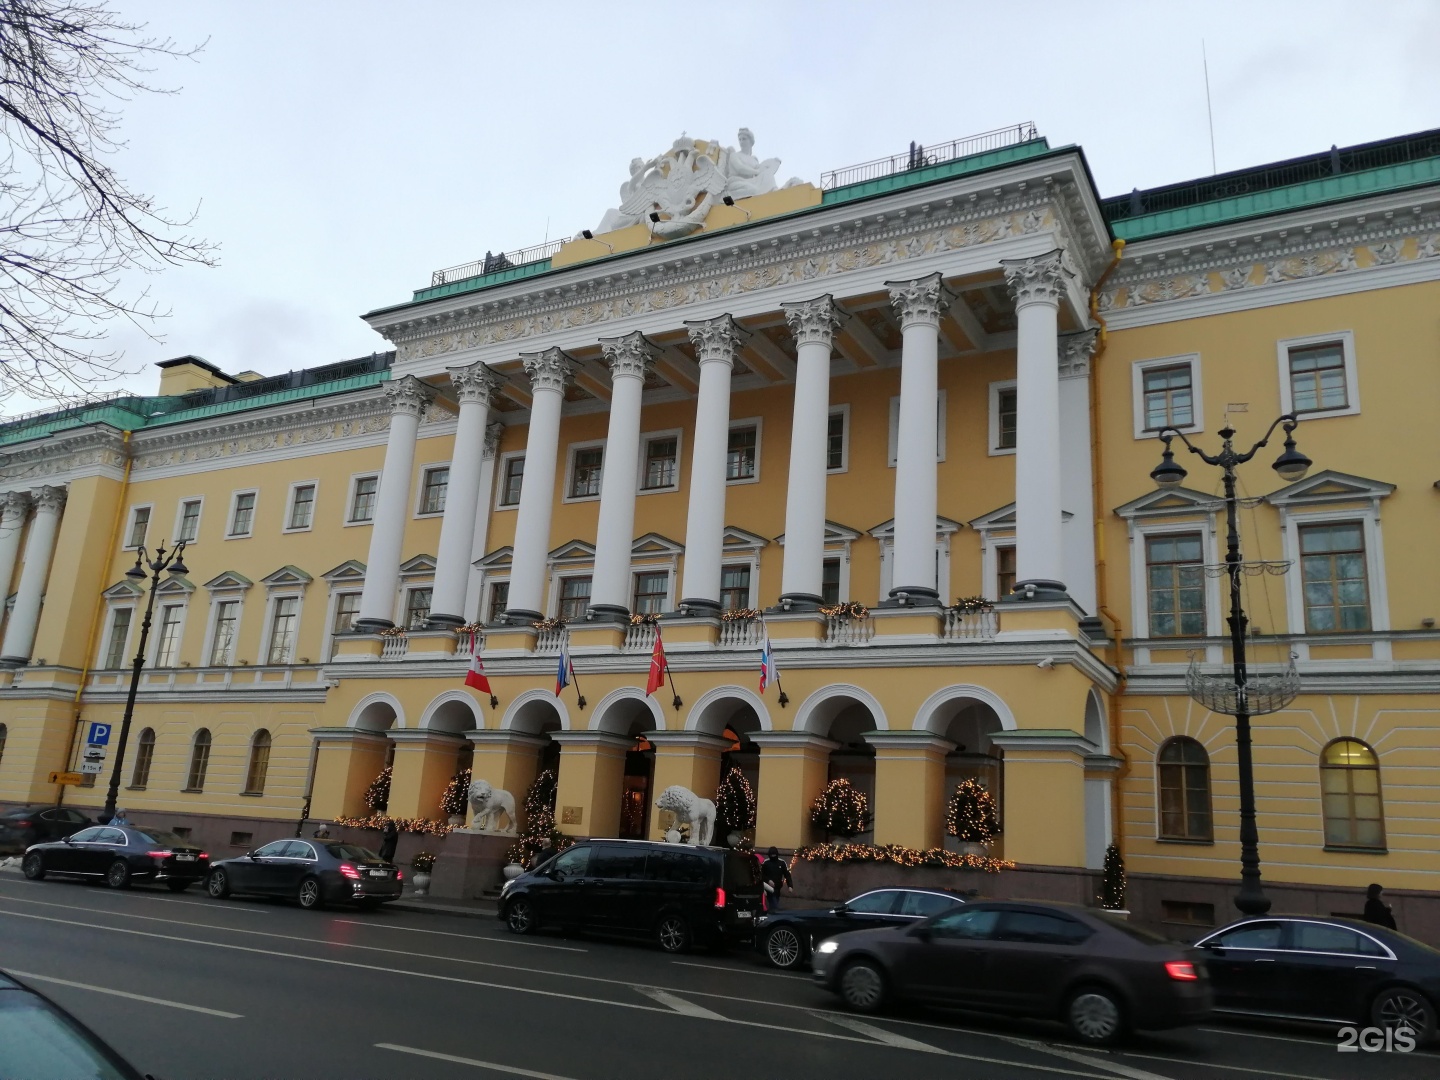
pixel 340 152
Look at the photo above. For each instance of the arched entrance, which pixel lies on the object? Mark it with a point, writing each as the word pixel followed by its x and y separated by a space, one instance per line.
pixel 845 715
pixel 538 713
pixel 731 715
pixel 968 717
pixel 629 714
pixel 455 713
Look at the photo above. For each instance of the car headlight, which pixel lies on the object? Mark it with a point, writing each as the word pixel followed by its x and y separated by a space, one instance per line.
pixel 507 886
pixel 827 947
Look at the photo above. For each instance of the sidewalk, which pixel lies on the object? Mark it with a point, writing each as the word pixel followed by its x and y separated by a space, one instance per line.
pixel 470 909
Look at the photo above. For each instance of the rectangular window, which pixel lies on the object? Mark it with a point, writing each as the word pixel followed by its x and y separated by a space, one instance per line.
pixel 347 610
pixel 432 490
pixel 734 587
pixel 585 472
pixel 574 597
pixel 740 454
pixel 243 520
pixel 167 648
pixel 660 455
pixel 189 521
pixel 282 629
pixel 1175 570
pixel 835 442
pixel 650 589
pixel 222 647
pixel 362 502
pixel 830 582
pixel 1169 397
pixel 302 507
pixel 499 599
pixel 1004 572
pixel 1332 574
pixel 417 608
pixel 512 481
pixel 119 635
pixel 1005 412
pixel 1317 378
pixel 139 525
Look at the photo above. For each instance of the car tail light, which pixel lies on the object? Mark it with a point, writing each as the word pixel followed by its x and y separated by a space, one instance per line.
pixel 399 875
pixel 349 871
pixel 160 854
pixel 1181 970
pixel 203 855
pixel 719 897
pixel 21 824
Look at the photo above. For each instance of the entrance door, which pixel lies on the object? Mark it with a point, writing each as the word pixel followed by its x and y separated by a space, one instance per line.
pixel 635 795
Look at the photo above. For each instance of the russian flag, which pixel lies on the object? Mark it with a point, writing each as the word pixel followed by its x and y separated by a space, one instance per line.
pixel 566 669
pixel 768 671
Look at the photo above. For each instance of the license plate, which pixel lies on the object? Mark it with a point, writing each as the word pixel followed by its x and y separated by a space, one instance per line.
pixel 379 873
pixel 184 858
pixel 744 915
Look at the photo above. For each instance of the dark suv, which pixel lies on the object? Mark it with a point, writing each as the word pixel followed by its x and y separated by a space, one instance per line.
pixel 677 894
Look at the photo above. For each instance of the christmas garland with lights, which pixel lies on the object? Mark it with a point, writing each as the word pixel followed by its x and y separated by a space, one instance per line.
pixel 457 795
pixel 850 609
pixel 967 605
pixel 543 625
pixel 393 631
pixel 971 815
pixel 376 823
pixel 644 619
pixel 735 802
pixel 841 810
pixel 1113 883
pixel 899 855
pixel 377 795
pixel 739 614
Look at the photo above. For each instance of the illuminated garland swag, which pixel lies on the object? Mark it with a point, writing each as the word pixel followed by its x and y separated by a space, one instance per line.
pixel 899 855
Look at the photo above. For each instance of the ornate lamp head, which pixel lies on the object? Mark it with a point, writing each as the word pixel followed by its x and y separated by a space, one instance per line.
pixel 1169 473
pixel 1292 465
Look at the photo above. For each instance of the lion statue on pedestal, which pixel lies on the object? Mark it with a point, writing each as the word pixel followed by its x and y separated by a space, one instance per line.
pixel 689 809
pixel 488 803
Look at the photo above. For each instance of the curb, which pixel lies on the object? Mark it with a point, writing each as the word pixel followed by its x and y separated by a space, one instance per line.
pixel 425 908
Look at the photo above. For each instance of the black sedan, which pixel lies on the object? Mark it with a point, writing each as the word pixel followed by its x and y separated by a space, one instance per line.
pixel 311 872
pixel 119 856
pixel 787 938
pixel 21 826
pixel 1340 971
pixel 1095 973
pixel 40 1040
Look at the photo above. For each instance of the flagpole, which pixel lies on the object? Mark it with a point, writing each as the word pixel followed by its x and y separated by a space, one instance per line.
pixel 579 697
pixel 767 649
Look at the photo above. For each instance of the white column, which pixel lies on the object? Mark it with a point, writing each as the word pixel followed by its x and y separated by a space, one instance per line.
pixel 408 397
pixel 1077 485
pixel 630 358
pixel 39 547
pixel 475 578
pixel 813 325
pixel 549 372
pixel 14 509
pixel 919 305
pixel 717 343
pixel 473 386
pixel 1037 284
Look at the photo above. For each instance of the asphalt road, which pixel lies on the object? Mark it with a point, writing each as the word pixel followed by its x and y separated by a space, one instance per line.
pixel 186 987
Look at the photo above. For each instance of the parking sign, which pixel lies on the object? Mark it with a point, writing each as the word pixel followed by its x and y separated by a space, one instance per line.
pixel 99 735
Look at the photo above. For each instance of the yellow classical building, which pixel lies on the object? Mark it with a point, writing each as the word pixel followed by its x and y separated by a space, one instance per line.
pixel 910 415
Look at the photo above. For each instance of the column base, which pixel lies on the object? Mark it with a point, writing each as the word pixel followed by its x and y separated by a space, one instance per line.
pixel 1041 589
pixel 911 596
pixel 700 608
pixel 13 661
pixel 372 626
pixel 520 617
pixel 607 613
pixel 443 622
pixel 798 602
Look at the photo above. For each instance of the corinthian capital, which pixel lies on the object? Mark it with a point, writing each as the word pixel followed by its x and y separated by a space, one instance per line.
pixel 629 355
pixel 815 321
pixel 1075 352
pixel 1040 280
pixel 548 370
pixel 15 505
pixel 49 498
pixel 474 383
pixel 717 340
pixel 493 431
pixel 922 300
pixel 408 396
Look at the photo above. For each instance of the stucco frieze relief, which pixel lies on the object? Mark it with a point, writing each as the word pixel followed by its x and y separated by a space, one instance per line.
pixel 94 450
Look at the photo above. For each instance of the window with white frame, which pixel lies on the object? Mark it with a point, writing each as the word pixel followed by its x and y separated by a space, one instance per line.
pixel 347 610
pixel 574 597
pixel 587 464
pixel 512 478
pixel 742 453
pixel 939 428
pixel 223 634
pixel 660 467
pixel 434 484
pixel 118 637
pixel 1004 570
pixel 830 581
pixel 167 641
pixel 139 526
pixel 284 627
pixel 1165 393
pixel 1003 411
pixel 242 514
pixel 302 508
pixel 1175 584
pixel 363 492
pixel 188 527
pixel 837 441
pixel 1317 375
pixel 497 600
pixel 735 586
pixel 417 607
pixel 1333 577
pixel 651 589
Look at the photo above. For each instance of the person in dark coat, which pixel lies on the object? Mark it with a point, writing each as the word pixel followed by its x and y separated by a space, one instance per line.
pixel 774 875
pixel 1377 911
pixel 389 839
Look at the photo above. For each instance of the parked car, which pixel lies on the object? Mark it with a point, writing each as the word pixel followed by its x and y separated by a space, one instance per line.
pixel 1333 969
pixel 41 1041
pixel 312 872
pixel 120 855
pixel 1093 972
pixel 21 826
pixel 787 938
pixel 676 894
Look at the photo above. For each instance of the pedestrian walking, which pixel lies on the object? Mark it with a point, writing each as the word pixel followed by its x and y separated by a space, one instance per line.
pixel 389 839
pixel 120 818
pixel 543 852
pixel 1377 911
pixel 774 876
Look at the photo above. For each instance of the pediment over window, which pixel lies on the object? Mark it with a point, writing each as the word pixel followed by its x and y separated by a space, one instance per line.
pixel 124 589
pixel 350 570
pixel 287 575
pixel 835 533
pixel 1329 486
pixel 420 564
pixel 736 540
pixel 943 528
pixel 654 545
pixel 176 585
pixel 573 551
pixel 1170 502
pixel 229 581
pixel 497 559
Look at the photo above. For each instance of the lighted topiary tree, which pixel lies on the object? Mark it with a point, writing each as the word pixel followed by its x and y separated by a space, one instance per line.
pixel 841 810
pixel 539 825
pixel 455 800
pixel 971 815
pixel 735 802
pixel 377 795
pixel 1112 880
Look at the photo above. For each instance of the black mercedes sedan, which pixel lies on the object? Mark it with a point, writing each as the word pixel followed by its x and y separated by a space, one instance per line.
pixel 313 873
pixel 41 1041
pixel 787 938
pixel 119 856
pixel 1095 973
pixel 1331 969
pixel 21 826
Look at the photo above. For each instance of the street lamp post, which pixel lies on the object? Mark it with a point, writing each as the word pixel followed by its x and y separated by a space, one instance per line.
pixel 175 563
pixel 1291 465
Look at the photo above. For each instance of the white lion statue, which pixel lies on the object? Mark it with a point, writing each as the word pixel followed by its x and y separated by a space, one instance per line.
pixel 488 804
pixel 689 809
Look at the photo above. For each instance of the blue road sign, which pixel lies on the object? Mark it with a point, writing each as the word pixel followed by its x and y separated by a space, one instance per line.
pixel 99 735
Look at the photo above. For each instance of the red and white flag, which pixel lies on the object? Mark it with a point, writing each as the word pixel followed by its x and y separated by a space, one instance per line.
pixel 476 675
pixel 658 666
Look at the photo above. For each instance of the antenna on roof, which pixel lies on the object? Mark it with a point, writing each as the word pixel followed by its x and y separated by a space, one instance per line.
pixel 1209 113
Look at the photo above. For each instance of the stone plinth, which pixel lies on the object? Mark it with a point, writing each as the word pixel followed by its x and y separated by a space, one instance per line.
pixel 469 865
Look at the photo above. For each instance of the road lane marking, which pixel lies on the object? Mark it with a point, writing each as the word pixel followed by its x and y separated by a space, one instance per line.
pixel 740 970
pixel 1217 1065
pixel 491 1065
pixel 889 1038
pixel 496 938
pixel 138 895
pixel 679 1004
pixel 1087 1059
pixel 1318 1042
pixel 125 994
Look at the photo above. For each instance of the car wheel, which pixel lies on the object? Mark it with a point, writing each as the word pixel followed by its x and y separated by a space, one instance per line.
pixel 862 986
pixel 784 949
pixel 178 886
pixel 218 884
pixel 33 866
pixel 672 933
pixel 1404 1006
pixel 310 896
pixel 520 916
pixel 1095 1016
pixel 118 876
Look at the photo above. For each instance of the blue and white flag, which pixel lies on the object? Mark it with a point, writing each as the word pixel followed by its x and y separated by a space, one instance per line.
pixel 768 671
pixel 566 669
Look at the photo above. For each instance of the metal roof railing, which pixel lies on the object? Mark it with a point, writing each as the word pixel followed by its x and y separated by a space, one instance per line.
pixel 919 157
pixel 493 264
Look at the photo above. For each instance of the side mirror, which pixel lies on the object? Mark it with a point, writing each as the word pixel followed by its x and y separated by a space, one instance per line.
pixel 251 854
pixel 840 909
pixel 67 839
pixel 922 932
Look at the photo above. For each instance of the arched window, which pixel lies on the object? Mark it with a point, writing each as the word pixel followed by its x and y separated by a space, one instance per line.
pixel 1184 778
pixel 1350 795
pixel 199 760
pixel 144 754
pixel 259 763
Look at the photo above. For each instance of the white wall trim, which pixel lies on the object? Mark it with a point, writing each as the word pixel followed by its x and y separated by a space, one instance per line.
pixel 925 715
pixel 806 712
pixel 625 693
pixel 678 434
pixel 992 444
pixel 1346 340
pixel 290 506
pixel 571 450
pixel 720 693
pixel 1369 519
pixel 1137 392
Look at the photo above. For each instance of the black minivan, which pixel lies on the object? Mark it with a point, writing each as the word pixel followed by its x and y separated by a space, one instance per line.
pixel 677 894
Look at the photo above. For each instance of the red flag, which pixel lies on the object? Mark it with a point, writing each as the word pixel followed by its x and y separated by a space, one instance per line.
pixel 476 675
pixel 658 667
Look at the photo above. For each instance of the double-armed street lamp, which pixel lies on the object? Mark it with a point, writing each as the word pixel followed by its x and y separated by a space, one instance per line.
pixel 1242 696
pixel 162 561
